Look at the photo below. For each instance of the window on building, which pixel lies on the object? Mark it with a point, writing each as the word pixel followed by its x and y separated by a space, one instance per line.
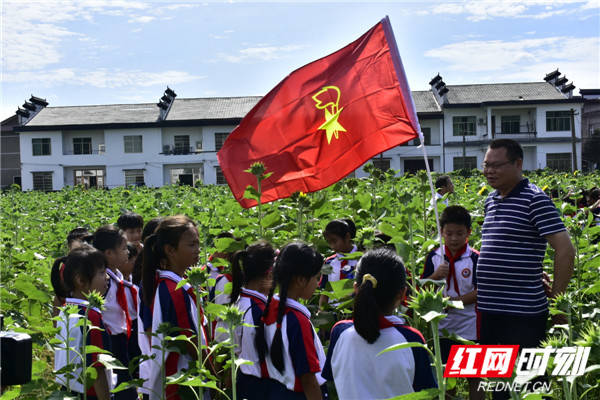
pixel 220 139
pixel 382 163
pixel 559 161
pixel 89 177
pixel 186 176
pixel 82 145
pixel 41 147
pixel 182 144
pixel 42 181
pixel 220 177
pixel 413 166
pixel 463 126
pixel 426 137
pixel 464 163
pixel 558 121
pixel 133 144
pixel 134 177
pixel 510 124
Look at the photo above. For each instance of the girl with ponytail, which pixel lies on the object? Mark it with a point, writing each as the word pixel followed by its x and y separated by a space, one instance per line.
pixel 168 253
pixel 285 338
pixel 352 358
pixel 252 273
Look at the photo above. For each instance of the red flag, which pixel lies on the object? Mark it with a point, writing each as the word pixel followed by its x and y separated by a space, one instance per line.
pixel 324 120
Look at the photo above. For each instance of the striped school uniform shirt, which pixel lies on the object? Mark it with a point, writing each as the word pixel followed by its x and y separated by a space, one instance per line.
pixel 177 307
pixel 359 373
pixel 302 349
pixel 96 337
pixel 252 304
pixel 340 269
pixel 513 245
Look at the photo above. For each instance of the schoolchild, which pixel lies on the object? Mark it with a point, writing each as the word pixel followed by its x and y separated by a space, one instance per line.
pixel 168 253
pixel 338 234
pixel 252 272
pixel 76 238
pixel 218 292
pixel 285 338
pixel 144 312
pixel 84 271
pixel 131 224
pixel 113 244
pixel 149 228
pixel 457 266
pixel 132 291
pixel 353 363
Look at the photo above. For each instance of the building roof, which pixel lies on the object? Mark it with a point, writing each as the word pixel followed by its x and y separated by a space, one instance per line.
pixel 96 115
pixel 502 92
pixel 425 102
pixel 211 108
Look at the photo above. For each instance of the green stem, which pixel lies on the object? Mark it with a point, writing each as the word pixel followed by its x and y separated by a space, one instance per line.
pixel 437 360
pixel 84 353
pixel 163 372
pixel 260 229
pixel 233 364
pixel 199 360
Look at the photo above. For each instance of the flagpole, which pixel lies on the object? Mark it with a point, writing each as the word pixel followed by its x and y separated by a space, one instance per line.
pixel 433 197
pixel 412 113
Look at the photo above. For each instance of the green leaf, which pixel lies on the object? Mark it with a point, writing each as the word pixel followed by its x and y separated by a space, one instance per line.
pixel 403 346
pixel 271 219
pixel 89 349
pixel 433 315
pixel 420 395
pixel 240 361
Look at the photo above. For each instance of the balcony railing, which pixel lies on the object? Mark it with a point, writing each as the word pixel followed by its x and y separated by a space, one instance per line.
pixel 71 152
pixel 171 150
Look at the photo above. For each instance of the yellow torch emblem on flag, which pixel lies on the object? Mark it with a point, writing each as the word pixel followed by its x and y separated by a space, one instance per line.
pixel 328 99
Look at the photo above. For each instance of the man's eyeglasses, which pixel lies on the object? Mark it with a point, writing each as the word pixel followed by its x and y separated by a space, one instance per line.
pixel 494 166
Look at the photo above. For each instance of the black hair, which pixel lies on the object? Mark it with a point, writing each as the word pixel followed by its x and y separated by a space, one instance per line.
pixel 168 232
pixel 340 227
pixel 594 195
pixel 249 264
pixel 149 228
pixel 372 302
pixel 514 151
pixel 108 237
pixel 83 261
pixel 79 233
pixel 456 215
pixel 130 220
pixel 132 251
pixel 295 260
pixel 442 181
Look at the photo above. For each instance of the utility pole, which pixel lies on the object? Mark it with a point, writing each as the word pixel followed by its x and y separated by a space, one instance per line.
pixel 573 140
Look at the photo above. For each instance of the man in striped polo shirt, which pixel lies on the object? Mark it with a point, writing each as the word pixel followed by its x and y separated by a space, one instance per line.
pixel 520 219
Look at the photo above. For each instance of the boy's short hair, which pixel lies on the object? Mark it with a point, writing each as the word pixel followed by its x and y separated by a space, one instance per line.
pixel 456 215
pixel 442 181
pixel 79 233
pixel 514 151
pixel 130 220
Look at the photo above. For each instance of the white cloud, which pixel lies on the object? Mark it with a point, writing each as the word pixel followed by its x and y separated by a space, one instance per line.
pixel 260 52
pixel 526 60
pixel 144 19
pixel 479 10
pixel 101 78
pixel 33 31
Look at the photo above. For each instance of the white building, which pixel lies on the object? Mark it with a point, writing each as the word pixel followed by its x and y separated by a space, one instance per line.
pixel 176 140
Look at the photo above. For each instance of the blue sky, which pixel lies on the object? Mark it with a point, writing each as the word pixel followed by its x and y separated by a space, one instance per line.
pixel 76 52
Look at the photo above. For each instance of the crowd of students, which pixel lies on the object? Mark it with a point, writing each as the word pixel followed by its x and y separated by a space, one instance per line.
pixel 138 268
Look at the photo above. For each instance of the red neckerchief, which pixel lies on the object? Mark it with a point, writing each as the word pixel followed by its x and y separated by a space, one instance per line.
pixel 121 299
pixel 134 293
pixel 451 268
pixel 343 273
